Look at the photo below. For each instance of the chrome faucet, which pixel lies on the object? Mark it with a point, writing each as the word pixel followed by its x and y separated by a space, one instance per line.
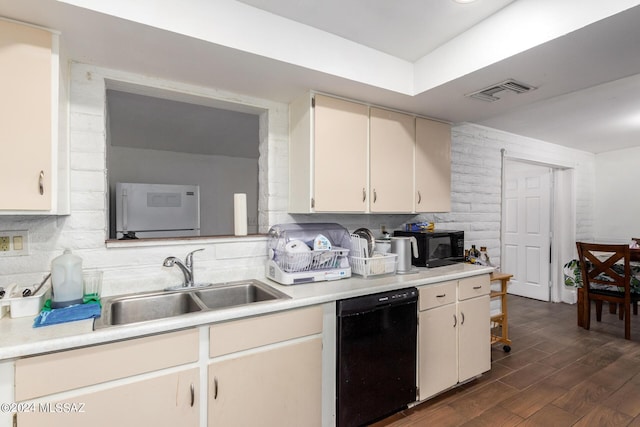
pixel 186 267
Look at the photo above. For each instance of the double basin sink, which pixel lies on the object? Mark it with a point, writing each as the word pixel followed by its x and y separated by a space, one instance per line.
pixel 142 307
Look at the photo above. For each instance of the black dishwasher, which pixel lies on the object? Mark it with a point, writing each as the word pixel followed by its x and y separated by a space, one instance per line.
pixel 376 356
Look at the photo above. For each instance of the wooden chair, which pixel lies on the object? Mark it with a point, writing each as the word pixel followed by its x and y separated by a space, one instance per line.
pixel 635 253
pixel 600 282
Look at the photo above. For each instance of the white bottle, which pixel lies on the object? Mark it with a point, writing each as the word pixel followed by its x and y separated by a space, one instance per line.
pixel 66 280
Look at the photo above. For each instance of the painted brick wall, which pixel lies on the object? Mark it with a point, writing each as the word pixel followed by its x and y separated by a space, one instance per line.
pixel 476 178
pixel 140 268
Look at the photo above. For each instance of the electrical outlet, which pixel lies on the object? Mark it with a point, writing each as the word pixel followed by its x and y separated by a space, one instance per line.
pixel 14 243
pixel 4 243
pixel 383 228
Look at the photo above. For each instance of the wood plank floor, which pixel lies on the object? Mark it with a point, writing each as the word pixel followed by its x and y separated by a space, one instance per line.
pixel 557 374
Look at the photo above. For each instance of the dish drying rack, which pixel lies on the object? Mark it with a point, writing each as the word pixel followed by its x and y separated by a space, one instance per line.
pixel 366 266
pixel 289 267
pixel 308 261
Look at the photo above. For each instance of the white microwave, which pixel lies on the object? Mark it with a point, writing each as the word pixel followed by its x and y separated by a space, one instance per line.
pixel 157 210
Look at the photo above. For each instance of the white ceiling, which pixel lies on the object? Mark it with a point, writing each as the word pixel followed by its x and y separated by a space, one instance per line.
pixel 419 56
pixel 409 29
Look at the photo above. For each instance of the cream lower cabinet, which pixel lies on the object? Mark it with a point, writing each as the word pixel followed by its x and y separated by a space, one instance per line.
pixel 128 383
pixel 167 400
pixel 437 339
pixel 267 370
pixel 454 334
pixel 474 338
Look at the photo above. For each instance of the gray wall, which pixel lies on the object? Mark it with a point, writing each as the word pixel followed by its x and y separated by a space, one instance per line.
pixel 219 178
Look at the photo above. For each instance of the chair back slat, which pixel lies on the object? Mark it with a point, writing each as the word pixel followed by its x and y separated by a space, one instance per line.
pixel 597 262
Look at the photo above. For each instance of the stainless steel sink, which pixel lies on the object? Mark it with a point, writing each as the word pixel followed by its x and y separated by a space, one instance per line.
pixel 237 294
pixel 142 307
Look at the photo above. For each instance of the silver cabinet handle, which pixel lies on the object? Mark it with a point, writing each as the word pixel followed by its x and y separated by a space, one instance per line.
pixel 375 195
pixel 215 388
pixel 477 287
pixel 364 194
pixel 462 320
pixel 193 394
pixel 441 296
pixel 419 198
pixel 41 183
pixel 455 321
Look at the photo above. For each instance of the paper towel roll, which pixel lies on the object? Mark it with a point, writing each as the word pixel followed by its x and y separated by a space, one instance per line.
pixel 240 214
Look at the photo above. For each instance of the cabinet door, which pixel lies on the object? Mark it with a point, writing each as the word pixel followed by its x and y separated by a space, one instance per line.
pixel 392 143
pixel 437 341
pixel 167 400
pixel 279 386
pixel 474 337
pixel 340 155
pixel 26 117
pixel 433 166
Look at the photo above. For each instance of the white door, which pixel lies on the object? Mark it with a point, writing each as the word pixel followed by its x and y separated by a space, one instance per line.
pixel 526 214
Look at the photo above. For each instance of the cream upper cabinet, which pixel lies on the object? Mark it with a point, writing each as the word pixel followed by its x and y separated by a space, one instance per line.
pixel 392 140
pixel 349 157
pixel 432 166
pixel 340 153
pixel 328 155
pixel 29 109
pixel 267 370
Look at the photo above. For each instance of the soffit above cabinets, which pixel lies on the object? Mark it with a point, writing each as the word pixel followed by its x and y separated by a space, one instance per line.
pixel 575 53
pixel 425 25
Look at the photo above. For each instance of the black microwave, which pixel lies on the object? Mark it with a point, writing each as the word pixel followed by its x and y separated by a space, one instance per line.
pixel 436 248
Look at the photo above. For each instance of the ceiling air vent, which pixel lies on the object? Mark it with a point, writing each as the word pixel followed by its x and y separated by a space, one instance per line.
pixel 489 94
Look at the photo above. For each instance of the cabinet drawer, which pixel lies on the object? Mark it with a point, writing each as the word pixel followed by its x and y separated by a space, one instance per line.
pixel 254 332
pixel 67 370
pixel 474 287
pixel 432 296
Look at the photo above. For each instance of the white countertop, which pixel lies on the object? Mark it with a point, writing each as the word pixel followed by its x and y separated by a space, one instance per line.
pixel 18 338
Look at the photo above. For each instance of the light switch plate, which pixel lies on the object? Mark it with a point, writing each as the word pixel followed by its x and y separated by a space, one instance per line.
pixel 14 243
